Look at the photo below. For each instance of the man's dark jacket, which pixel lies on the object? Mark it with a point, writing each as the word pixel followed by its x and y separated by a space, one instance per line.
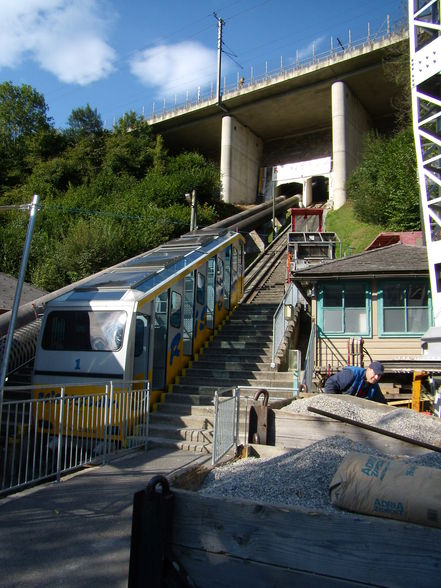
pixel 352 380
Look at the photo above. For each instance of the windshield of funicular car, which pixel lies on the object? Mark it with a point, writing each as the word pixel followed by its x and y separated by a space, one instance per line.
pixel 84 330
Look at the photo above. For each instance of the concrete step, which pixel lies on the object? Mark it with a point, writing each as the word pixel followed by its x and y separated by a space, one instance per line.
pixel 203 436
pixel 182 421
pixel 244 335
pixel 218 363
pixel 191 399
pixel 255 385
pixel 180 406
pixel 198 374
pixel 227 354
pixel 241 344
pixel 246 319
pixel 231 331
pixel 182 445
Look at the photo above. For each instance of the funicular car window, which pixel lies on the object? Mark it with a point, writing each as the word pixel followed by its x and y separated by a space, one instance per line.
pixel 84 330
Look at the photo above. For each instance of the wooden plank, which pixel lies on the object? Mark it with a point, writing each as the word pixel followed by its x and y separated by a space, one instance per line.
pixel 357 548
pixel 297 431
pixel 212 570
pixel 384 432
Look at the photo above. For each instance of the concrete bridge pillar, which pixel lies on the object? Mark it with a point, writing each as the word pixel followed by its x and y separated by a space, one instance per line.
pixel 307 192
pixel 349 124
pixel 241 154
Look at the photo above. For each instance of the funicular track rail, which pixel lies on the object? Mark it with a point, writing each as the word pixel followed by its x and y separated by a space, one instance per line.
pixel 261 270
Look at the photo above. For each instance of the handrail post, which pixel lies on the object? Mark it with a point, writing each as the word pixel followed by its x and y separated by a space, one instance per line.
pixel 146 412
pixel 60 435
pixel 273 358
pixel 106 398
pixel 110 421
pixel 237 407
pixel 216 410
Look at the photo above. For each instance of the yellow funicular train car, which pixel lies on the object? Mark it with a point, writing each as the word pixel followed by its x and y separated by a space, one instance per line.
pixel 142 320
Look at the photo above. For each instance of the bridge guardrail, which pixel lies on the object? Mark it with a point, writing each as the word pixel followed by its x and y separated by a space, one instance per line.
pixel 281 72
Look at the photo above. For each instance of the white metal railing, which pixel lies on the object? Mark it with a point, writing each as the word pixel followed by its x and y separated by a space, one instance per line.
pixel 226 424
pixel 309 364
pixel 280 321
pixel 203 96
pixel 60 429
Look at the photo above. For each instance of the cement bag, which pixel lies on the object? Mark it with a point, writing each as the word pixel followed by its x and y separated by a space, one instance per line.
pixel 388 488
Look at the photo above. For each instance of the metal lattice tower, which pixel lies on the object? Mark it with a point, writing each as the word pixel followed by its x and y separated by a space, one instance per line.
pixel 425 61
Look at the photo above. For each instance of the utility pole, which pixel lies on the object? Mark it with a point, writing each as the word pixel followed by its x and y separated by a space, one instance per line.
pixel 220 24
pixel 33 208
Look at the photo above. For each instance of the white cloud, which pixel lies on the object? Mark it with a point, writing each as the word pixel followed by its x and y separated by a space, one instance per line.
pixel 308 51
pixel 65 37
pixel 173 69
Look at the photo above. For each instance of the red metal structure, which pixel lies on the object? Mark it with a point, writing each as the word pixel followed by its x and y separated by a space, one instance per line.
pixel 305 212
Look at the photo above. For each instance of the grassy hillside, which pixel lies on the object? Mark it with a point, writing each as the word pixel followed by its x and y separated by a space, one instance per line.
pixel 355 235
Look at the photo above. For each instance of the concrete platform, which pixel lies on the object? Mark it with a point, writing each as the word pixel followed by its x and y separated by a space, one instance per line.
pixel 77 533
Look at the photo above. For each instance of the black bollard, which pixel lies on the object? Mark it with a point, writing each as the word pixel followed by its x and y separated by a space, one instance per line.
pixel 151 528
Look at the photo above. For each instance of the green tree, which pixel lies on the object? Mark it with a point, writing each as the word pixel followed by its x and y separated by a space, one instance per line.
pixel 130 148
pixel 384 187
pixel 24 122
pixel 397 70
pixel 83 122
pixel 23 112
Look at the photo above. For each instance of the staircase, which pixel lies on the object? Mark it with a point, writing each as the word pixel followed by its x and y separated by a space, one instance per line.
pixel 239 354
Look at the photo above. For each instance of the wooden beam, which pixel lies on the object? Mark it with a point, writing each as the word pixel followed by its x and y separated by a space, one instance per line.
pixel 417 379
pixel 225 542
pixel 375 429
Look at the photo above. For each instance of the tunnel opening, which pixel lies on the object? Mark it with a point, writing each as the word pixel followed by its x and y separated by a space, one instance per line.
pixel 289 189
pixel 320 189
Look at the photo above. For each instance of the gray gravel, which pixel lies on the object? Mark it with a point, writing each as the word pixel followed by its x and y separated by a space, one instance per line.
pixel 302 478
pixel 403 421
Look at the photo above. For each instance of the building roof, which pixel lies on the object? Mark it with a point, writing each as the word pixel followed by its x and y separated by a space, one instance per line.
pixel 8 285
pixel 392 237
pixel 391 261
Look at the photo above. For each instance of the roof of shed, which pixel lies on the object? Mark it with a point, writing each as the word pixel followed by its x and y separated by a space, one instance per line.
pixel 8 285
pixel 395 260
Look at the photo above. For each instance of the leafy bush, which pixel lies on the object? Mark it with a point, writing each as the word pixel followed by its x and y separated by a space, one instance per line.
pixel 384 187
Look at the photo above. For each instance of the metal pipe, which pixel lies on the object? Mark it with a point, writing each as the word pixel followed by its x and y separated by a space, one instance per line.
pixel 24 260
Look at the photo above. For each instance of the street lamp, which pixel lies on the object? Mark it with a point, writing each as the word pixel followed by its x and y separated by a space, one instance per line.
pixel 191 199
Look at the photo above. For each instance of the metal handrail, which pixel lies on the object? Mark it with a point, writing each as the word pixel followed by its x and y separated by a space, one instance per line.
pixel 308 368
pixel 280 322
pixel 335 356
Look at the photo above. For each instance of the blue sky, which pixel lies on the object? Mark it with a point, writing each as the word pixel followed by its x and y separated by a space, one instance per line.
pixel 122 55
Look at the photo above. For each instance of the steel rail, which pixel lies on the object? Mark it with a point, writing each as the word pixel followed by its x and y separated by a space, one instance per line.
pixel 258 273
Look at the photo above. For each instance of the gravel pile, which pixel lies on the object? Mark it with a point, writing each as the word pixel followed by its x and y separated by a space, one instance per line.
pixel 296 478
pixel 403 421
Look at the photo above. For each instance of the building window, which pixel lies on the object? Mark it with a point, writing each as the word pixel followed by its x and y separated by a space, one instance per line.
pixel 344 308
pixel 404 309
pixel 175 314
